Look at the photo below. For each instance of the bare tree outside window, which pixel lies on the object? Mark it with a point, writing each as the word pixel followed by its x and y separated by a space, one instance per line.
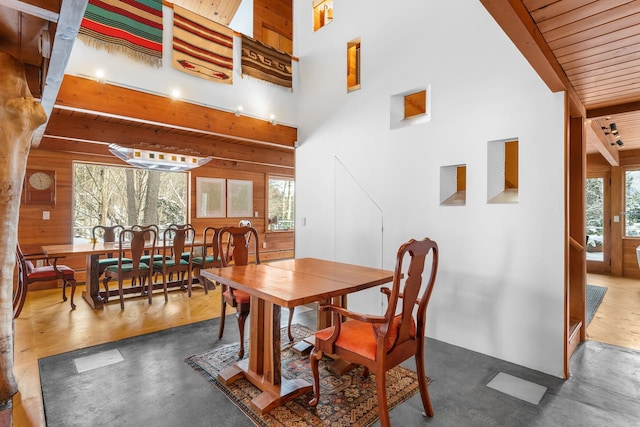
pixel 110 195
pixel 281 208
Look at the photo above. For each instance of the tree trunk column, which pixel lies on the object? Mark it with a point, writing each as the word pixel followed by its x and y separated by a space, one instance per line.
pixel 20 115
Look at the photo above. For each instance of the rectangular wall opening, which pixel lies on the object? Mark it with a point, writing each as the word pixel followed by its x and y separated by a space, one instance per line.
pixel 353 65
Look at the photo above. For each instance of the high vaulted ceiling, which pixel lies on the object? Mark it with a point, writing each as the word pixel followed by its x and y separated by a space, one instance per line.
pixel 591 48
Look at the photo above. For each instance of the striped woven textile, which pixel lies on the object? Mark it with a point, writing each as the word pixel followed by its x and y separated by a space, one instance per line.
pixel 131 27
pixel 202 47
pixel 265 62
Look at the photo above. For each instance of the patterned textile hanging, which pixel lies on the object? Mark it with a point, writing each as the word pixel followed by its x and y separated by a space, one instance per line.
pixel 265 62
pixel 131 27
pixel 202 47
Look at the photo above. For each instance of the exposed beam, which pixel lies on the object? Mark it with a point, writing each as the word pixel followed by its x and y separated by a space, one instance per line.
pixel 603 146
pixel 98 151
pixel 515 20
pixel 613 109
pixel 71 13
pixel 90 130
pixel 115 101
pixel 30 9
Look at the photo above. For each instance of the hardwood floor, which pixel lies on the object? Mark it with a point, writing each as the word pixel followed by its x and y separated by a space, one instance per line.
pixel 617 320
pixel 47 326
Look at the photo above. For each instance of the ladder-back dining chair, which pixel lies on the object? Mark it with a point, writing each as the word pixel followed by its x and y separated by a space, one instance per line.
pixel 28 273
pixel 210 256
pixel 238 242
pixel 108 234
pixel 134 242
pixel 175 259
pixel 379 343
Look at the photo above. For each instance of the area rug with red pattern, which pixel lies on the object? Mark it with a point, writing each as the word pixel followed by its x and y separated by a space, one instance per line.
pixel 349 400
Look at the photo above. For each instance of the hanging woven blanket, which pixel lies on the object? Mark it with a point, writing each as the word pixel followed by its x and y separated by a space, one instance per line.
pixel 202 47
pixel 265 62
pixel 126 26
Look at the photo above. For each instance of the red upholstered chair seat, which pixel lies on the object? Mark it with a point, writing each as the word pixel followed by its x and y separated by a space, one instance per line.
pixel 48 272
pixel 240 296
pixel 361 337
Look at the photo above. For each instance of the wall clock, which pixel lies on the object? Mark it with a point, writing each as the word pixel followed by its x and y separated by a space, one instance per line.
pixel 40 187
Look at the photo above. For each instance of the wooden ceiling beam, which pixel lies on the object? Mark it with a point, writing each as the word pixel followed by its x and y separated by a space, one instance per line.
pixel 613 109
pixel 91 96
pixel 98 152
pixel 603 146
pixel 514 19
pixel 87 129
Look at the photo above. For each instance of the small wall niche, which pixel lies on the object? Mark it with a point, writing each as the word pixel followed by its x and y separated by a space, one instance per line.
pixel 353 65
pixel 411 107
pixel 502 171
pixel 453 185
pixel 322 13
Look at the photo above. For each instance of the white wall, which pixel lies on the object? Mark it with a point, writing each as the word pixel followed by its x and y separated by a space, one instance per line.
pixel 500 287
pixel 258 98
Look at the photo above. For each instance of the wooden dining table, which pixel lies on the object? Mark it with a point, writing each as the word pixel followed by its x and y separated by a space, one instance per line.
pixel 93 252
pixel 287 283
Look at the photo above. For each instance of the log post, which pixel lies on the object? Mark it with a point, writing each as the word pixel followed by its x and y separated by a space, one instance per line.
pixel 20 116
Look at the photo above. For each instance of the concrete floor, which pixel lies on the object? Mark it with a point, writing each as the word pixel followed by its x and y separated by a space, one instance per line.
pixel 153 386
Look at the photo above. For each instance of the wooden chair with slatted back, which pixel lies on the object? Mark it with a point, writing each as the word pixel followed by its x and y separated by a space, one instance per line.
pixel 379 343
pixel 238 242
pixel 174 258
pixel 109 234
pixel 134 242
pixel 210 256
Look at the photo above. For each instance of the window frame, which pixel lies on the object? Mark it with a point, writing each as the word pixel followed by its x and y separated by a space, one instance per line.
pixel 267 220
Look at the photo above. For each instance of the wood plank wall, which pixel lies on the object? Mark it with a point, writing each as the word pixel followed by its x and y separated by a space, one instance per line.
pixel 34 232
pixel 273 23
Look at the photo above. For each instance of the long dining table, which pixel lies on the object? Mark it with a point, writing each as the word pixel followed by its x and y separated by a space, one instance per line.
pixel 287 283
pixel 93 252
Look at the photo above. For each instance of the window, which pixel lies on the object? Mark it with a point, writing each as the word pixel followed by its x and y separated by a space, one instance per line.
pixel 281 199
pixel 111 195
pixel 632 202
pixel 595 218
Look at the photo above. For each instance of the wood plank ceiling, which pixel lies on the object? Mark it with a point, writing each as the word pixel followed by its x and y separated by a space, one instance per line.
pixel 597 44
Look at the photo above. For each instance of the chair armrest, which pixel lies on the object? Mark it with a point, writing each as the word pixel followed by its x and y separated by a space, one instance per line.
pixel 351 314
pixel 43 257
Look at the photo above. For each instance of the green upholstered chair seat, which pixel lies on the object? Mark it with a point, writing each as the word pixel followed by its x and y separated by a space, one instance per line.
pixel 198 260
pixel 127 267
pixel 112 261
pixel 147 258
pixel 169 263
